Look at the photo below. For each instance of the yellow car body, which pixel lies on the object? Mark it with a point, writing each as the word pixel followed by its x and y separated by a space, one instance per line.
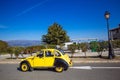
pixel 47 58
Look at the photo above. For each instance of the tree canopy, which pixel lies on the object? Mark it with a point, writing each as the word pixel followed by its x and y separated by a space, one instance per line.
pixel 56 35
pixel 3 46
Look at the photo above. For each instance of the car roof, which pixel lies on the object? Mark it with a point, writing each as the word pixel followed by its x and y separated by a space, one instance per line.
pixel 48 49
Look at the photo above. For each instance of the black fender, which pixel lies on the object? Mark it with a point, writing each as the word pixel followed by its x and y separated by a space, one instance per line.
pixel 62 62
pixel 25 61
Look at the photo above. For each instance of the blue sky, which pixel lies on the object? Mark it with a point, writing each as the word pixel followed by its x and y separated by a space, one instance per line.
pixel 30 19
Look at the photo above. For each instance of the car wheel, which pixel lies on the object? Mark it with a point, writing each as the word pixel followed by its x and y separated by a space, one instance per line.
pixel 59 69
pixel 24 67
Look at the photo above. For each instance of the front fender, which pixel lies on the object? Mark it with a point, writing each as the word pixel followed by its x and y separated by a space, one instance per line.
pixel 62 62
pixel 25 61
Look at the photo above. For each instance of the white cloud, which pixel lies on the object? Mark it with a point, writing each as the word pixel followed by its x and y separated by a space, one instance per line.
pixel 29 9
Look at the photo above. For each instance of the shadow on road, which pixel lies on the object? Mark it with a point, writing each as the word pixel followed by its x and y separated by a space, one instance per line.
pixel 45 69
pixel 18 69
pixel 48 69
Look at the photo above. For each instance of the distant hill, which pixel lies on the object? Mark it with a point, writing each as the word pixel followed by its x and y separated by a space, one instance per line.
pixel 23 43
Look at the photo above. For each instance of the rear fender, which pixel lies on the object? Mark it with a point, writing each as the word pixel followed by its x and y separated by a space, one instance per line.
pixel 59 62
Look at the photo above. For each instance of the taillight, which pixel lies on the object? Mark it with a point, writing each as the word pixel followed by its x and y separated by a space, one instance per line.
pixel 70 61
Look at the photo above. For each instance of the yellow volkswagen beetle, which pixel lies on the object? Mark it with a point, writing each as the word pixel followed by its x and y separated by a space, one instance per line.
pixel 47 58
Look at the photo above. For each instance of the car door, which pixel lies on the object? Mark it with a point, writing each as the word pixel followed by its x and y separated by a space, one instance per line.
pixel 49 58
pixel 39 60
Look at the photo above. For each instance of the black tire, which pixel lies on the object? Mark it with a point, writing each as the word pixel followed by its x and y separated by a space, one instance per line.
pixel 24 67
pixel 59 69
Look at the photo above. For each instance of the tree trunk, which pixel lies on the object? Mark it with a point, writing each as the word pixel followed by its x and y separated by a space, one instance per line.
pixel 72 55
pixel 100 54
pixel 17 57
pixel 11 55
pixel 22 55
pixel 85 54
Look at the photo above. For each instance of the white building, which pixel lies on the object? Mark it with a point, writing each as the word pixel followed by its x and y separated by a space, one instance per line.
pixel 65 47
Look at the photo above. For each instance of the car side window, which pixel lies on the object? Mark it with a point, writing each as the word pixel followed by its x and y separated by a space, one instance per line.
pixel 41 54
pixel 57 54
pixel 48 54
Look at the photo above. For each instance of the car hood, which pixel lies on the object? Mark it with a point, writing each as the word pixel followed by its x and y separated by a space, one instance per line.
pixel 30 57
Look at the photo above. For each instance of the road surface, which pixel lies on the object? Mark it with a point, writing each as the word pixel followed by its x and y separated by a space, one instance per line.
pixel 98 71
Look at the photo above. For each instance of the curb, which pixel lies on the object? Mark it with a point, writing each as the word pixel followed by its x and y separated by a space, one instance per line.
pixel 117 61
pixel 9 62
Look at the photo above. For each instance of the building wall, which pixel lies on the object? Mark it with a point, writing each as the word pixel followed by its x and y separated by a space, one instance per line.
pixel 115 33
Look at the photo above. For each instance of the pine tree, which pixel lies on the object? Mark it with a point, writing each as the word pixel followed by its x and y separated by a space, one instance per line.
pixel 56 35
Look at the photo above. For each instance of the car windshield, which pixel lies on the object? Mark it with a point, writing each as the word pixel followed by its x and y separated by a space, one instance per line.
pixel 62 51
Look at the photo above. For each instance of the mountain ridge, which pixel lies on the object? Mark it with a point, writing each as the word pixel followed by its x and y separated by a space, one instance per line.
pixel 23 43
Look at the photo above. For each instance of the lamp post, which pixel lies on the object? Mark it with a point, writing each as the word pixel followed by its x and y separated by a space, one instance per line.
pixel 110 51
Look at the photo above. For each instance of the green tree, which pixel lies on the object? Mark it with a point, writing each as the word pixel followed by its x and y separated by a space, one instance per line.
pixel 21 49
pixel 56 35
pixel 93 46
pixel 3 46
pixel 17 51
pixel 29 50
pixel 72 48
pixel 84 47
pixel 10 51
pixel 100 48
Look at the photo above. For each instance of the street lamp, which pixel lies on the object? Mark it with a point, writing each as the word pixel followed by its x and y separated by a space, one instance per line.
pixel 110 52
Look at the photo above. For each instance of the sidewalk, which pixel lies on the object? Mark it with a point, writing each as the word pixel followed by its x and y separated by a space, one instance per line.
pixel 92 57
pixel 95 60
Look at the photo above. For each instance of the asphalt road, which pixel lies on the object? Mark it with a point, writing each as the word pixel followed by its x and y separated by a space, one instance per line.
pixel 107 71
